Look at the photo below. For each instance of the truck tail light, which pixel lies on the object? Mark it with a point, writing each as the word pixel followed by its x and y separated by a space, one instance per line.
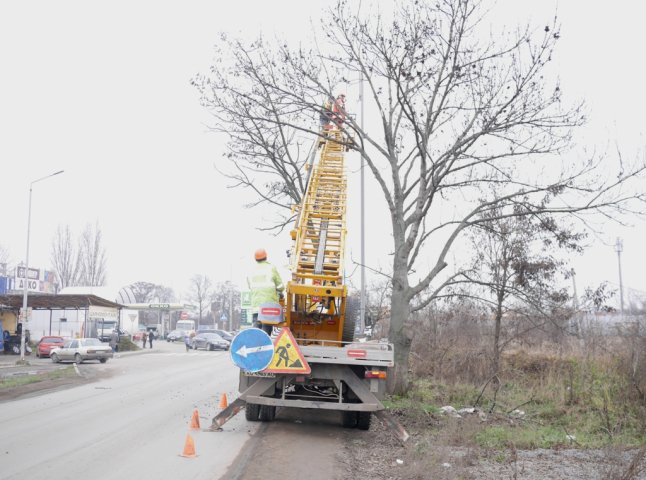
pixel 375 374
pixel 357 353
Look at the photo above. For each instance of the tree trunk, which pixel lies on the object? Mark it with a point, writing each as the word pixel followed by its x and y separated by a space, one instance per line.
pixel 400 334
pixel 496 341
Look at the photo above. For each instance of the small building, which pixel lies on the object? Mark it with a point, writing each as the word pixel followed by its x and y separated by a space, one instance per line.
pixel 68 315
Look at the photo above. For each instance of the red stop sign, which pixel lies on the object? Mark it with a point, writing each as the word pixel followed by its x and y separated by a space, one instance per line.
pixel 183 316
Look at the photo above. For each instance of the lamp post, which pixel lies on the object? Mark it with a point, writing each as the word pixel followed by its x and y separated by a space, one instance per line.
pixel 24 316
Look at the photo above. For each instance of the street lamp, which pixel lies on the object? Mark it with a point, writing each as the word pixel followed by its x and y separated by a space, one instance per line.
pixel 24 317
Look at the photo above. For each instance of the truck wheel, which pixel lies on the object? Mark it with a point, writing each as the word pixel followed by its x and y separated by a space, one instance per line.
pixel 251 412
pixel 349 419
pixel 363 420
pixel 267 413
pixel 348 329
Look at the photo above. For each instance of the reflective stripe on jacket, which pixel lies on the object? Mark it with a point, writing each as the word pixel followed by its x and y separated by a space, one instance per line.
pixel 264 283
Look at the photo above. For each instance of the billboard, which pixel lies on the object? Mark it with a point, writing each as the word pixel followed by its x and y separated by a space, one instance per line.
pixel 37 280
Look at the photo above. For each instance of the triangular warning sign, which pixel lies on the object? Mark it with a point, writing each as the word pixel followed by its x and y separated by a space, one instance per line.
pixel 287 356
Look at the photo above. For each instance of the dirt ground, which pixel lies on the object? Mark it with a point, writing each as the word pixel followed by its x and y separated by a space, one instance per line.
pixel 51 377
pixel 431 453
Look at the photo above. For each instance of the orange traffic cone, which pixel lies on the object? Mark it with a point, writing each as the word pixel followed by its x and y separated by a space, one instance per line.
pixel 223 401
pixel 189 447
pixel 195 420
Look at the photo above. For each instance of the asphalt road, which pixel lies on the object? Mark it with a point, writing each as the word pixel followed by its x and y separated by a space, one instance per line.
pixel 132 424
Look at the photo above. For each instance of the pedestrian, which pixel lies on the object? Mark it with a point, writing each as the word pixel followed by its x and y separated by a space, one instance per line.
pixel 150 338
pixel 114 340
pixel 187 341
pixel 144 338
pixel 265 285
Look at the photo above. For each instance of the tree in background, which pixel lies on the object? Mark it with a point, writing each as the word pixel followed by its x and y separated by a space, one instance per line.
pixel 92 257
pixel 517 274
pixel 471 119
pixel 148 292
pixel 4 260
pixel 200 292
pixel 64 257
pixel 226 300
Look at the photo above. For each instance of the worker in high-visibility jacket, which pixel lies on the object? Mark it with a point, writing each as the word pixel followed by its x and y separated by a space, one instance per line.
pixel 265 285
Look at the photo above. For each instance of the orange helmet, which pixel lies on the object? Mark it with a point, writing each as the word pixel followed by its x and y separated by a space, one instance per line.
pixel 260 254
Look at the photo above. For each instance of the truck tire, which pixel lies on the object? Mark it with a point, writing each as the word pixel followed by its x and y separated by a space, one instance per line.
pixel 251 412
pixel 348 329
pixel 349 419
pixel 267 413
pixel 363 420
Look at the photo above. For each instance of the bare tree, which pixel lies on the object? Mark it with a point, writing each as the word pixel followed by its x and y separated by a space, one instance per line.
pixel 201 292
pixel 147 292
pixel 516 273
pixel 144 292
pixel 226 300
pixel 4 260
pixel 460 109
pixel 92 257
pixel 64 257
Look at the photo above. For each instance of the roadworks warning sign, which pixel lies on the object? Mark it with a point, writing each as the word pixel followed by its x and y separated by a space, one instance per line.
pixel 287 356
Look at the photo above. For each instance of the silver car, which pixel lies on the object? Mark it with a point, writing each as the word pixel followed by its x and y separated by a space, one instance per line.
pixel 78 350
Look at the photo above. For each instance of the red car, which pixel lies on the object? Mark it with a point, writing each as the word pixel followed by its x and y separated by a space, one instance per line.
pixel 45 345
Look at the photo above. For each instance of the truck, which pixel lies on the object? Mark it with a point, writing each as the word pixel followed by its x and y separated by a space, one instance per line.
pixel 104 329
pixel 344 375
pixel 186 326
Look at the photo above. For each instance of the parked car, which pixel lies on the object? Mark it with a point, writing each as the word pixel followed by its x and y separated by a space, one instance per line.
pixel 175 335
pixel 78 350
pixel 46 344
pixel 228 336
pixel 137 335
pixel 209 341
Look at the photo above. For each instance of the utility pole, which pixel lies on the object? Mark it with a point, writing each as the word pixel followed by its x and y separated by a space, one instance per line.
pixel 362 308
pixel 619 247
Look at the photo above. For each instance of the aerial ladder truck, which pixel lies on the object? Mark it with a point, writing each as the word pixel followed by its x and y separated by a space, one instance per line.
pixel 342 374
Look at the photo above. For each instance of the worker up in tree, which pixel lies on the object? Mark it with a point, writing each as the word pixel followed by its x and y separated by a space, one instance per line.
pixel 326 114
pixel 338 110
pixel 265 285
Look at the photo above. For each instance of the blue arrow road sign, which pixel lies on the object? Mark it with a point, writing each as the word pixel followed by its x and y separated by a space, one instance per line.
pixel 252 350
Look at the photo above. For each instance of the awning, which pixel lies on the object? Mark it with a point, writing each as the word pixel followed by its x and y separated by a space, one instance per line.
pixel 56 302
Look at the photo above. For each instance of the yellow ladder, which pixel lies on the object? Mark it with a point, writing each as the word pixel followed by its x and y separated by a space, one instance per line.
pixel 316 295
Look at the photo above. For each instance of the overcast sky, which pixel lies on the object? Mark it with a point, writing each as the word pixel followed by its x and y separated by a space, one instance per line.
pixel 101 90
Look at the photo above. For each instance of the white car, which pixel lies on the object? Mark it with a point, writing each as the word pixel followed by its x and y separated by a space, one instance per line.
pixel 78 350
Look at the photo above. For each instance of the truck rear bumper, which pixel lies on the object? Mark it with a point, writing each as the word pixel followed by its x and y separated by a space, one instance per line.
pixel 353 393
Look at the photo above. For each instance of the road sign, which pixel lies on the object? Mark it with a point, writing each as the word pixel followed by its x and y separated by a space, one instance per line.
pixel 183 316
pixel 252 350
pixel 159 305
pixel 245 299
pixel 287 358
